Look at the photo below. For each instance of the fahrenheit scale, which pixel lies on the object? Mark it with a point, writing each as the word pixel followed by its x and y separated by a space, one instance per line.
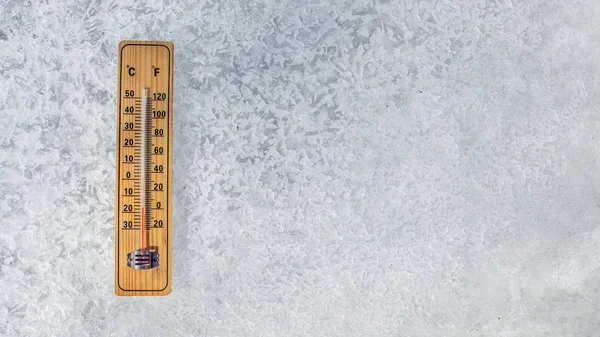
pixel 144 156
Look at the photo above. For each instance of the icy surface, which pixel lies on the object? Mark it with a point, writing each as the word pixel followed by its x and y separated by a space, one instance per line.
pixel 341 168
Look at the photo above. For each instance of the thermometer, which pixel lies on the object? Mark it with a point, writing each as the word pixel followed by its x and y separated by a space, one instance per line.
pixel 143 168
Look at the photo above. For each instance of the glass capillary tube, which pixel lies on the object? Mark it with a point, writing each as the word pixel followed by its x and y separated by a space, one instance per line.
pixel 146 107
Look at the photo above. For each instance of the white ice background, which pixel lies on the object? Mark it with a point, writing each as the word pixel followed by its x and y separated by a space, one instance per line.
pixel 341 168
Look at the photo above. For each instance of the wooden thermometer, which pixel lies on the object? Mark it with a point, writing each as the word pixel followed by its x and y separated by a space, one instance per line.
pixel 144 156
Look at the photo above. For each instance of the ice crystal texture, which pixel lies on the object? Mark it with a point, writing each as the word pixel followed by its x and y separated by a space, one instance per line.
pixel 341 168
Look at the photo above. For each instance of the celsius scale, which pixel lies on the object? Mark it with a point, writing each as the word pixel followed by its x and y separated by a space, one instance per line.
pixel 143 178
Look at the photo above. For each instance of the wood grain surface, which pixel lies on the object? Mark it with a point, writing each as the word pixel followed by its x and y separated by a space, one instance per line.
pixel 144 64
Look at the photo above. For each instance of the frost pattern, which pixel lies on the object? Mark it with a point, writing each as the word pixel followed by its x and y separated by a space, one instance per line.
pixel 342 168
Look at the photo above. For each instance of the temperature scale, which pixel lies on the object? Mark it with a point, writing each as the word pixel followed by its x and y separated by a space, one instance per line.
pixel 144 156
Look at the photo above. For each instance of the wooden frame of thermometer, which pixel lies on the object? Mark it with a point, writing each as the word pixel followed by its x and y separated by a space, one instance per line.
pixel 144 157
